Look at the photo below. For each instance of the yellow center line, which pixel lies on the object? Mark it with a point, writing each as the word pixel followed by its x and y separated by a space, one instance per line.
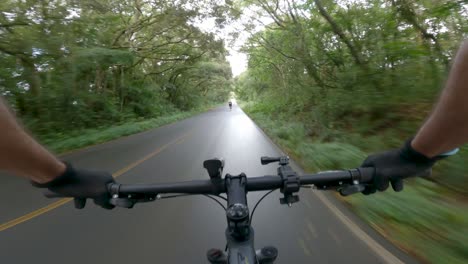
pixel 334 236
pixel 147 157
pixel 311 228
pixel 304 247
pixel 33 214
pixel 63 201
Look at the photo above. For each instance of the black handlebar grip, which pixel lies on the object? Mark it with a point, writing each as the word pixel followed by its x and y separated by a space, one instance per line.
pixel 367 174
pixel 266 160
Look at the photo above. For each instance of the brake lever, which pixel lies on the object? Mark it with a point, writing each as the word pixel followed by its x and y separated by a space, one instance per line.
pixel 80 203
pixel 123 202
pixel 131 200
pixel 351 189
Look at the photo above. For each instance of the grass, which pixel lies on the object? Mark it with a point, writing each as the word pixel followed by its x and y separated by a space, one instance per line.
pixel 425 220
pixel 60 143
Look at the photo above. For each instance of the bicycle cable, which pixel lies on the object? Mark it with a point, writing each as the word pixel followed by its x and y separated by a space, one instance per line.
pixel 258 202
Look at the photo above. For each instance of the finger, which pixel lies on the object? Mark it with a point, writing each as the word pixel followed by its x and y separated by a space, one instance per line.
pixel 382 185
pixel 367 162
pixel 104 203
pixel 80 203
pixel 369 190
pixel 397 185
pixel 50 194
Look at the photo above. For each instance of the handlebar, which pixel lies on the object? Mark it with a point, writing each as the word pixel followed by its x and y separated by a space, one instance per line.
pixel 323 180
pixel 126 195
pixel 239 240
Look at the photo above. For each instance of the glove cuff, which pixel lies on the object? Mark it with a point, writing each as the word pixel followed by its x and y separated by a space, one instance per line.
pixel 409 153
pixel 61 179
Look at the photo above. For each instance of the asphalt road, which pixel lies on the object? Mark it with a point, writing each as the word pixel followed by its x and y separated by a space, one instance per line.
pixel 181 230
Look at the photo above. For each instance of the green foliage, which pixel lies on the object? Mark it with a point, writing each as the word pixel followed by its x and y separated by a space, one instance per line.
pixel 73 65
pixel 315 155
pixel 355 72
pixel 329 156
pixel 331 81
pixel 70 140
pixel 90 58
pixel 422 219
pixel 425 219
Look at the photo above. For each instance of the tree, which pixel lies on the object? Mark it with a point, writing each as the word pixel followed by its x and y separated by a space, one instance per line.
pixel 91 63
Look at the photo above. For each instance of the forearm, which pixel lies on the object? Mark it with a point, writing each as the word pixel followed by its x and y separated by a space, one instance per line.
pixel 447 127
pixel 21 154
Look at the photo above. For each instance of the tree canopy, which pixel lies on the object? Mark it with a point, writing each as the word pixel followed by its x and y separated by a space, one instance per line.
pixel 76 64
pixel 354 71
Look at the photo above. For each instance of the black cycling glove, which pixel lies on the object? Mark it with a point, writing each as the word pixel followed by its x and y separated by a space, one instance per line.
pixel 395 165
pixel 82 184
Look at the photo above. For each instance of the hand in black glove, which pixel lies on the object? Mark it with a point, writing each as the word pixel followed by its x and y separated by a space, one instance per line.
pixel 395 165
pixel 82 184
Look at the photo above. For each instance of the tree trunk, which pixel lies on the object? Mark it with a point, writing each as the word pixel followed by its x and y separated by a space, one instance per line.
pixel 341 34
pixel 31 75
pixel 352 48
pixel 407 13
pixel 121 85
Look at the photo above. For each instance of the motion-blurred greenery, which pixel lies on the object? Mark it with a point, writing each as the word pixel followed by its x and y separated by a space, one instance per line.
pixel 66 141
pixel 70 66
pixel 332 81
pixel 427 219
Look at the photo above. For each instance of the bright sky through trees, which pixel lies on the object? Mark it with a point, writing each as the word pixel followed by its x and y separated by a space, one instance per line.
pixel 236 58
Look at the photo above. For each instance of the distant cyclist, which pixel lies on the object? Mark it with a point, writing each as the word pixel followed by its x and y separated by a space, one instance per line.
pixel 230 105
pixel 442 133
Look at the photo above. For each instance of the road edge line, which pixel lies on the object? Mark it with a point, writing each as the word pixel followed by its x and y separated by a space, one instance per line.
pixel 375 246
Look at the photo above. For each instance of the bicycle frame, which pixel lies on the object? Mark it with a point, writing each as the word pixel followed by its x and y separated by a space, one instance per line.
pixel 239 233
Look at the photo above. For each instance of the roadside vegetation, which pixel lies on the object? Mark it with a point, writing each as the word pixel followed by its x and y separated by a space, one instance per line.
pixel 333 81
pixel 426 220
pixel 82 72
pixel 67 141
